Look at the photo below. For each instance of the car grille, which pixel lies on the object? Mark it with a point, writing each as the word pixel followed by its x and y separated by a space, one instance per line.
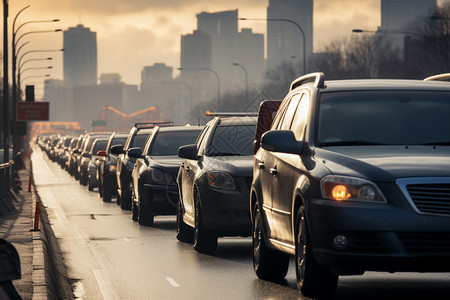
pixel 426 242
pixel 428 197
pixel 365 242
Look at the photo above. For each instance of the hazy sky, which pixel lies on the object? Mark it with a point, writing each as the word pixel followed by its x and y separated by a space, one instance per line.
pixel 135 33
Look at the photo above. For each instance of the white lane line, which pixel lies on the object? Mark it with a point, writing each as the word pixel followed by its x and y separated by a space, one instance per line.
pixel 103 285
pixel 127 239
pixel 172 282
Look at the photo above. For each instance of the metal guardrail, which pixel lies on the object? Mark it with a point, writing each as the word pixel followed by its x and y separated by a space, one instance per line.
pixel 7 176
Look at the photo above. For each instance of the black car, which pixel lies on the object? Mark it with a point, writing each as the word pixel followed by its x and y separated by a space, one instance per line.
pixel 106 171
pixel 85 158
pixel 155 172
pixel 98 145
pixel 353 176
pixel 214 183
pixel 125 164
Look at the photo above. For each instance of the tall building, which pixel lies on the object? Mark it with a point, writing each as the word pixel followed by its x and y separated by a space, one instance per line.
pixel 218 45
pixel 287 40
pixel 80 56
pixel 154 75
pixel 399 15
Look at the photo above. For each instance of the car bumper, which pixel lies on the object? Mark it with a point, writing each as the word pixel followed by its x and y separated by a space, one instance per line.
pixel 381 237
pixel 165 198
pixel 226 212
pixel 110 183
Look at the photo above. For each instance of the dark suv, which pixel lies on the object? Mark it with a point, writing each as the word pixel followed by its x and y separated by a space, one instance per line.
pixel 214 183
pixel 353 176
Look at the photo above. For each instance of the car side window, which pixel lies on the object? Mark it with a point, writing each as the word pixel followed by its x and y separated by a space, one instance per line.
pixel 290 111
pixel 300 118
pixel 201 142
pixel 129 139
pixel 280 114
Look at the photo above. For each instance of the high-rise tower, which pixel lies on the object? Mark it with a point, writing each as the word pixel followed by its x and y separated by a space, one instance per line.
pixel 398 15
pixel 80 56
pixel 285 41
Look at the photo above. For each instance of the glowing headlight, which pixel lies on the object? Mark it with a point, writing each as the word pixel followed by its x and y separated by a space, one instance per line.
pixel 221 180
pixel 341 188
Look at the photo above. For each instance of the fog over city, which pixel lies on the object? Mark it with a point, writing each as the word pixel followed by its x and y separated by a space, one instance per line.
pixel 133 34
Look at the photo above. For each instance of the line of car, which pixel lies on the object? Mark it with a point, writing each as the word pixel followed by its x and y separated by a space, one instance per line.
pixel 346 176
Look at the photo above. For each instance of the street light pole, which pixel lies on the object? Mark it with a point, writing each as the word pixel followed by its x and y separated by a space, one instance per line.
pixel 296 25
pixel 246 79
pixel 5 89
pixel 217 76
pixel 19 62
pixel 14 65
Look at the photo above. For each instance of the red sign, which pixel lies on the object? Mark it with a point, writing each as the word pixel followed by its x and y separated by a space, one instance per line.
pixel 32 111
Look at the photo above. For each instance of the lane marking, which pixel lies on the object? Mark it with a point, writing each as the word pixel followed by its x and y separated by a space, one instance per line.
pixel 172 282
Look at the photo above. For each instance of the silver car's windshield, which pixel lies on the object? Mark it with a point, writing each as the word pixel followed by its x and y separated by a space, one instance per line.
pixel 384 118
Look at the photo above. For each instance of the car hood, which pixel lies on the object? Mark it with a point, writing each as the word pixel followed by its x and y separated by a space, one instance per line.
pixel 171 161
pixel 234 165
pixel 386 163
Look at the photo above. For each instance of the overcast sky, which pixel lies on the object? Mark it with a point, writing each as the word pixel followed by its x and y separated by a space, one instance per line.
pixel 135 33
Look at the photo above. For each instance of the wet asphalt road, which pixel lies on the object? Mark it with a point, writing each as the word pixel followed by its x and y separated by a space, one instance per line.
pixel 112 257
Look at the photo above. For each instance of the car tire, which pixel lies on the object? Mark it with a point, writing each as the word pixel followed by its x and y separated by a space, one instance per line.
pixel 134 209
pixel 125 202
pixel 145 212
pixel 205 241
pixel 313 280
pixel 90 186
pixel 185 233
pixel 107 195
pixel 268 264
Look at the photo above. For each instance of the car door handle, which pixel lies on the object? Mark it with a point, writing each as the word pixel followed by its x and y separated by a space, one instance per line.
pixel 273 171
pixel 261 165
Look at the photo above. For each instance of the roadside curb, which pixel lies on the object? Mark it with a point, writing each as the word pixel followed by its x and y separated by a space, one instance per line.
pixel 49 274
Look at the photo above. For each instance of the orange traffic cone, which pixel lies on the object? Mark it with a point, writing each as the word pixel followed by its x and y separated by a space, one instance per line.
pixel 29 184
pixel 36 219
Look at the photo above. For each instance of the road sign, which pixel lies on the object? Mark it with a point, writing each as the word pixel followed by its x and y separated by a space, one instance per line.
pixel 32 111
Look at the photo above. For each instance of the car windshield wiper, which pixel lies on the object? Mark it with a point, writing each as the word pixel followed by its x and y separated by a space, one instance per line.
pixel 438 144
pixel 350 143
pixel 226 154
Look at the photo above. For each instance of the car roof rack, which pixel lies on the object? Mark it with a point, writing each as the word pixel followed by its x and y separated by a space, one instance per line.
pixel 152 124
pixel 231 114
pixel 318 79
pixel 439 77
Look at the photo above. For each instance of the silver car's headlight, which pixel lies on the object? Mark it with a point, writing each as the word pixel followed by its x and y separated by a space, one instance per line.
pixel 221 180
pixel 342 188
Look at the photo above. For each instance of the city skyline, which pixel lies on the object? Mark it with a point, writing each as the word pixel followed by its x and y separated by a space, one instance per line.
pixel 135 34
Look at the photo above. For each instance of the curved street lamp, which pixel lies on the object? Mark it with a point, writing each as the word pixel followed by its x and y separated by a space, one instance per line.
pixel 36 76
pixel 34 59
pixel 246 78
pixel 14 64
pixel 296 25
pixel 215 73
